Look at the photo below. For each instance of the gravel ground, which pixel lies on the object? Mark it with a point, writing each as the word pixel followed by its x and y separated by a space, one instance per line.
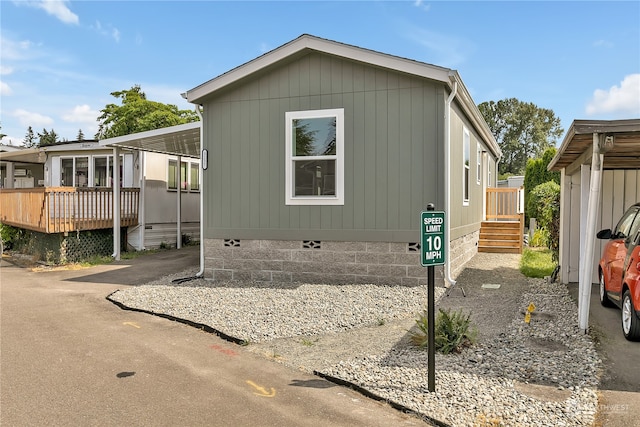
pixel 517 374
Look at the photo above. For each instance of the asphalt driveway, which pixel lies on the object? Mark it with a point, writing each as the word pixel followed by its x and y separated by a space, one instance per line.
pixel 72 358
pixel 619 404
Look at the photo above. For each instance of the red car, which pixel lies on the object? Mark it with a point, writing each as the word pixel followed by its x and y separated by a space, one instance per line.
pixel 619 271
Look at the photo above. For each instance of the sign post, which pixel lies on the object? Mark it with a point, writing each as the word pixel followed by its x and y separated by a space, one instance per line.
pixel 432 253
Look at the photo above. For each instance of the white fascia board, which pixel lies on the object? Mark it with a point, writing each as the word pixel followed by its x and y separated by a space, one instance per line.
pixel 181 140
pixel 110 142
pixel 303 42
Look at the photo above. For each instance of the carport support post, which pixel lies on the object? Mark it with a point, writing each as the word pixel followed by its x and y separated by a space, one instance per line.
pixel 179 203
pixel 590 230
pixel 116 203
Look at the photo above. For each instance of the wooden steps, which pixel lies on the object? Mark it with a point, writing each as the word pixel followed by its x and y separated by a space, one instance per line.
pixel 500 237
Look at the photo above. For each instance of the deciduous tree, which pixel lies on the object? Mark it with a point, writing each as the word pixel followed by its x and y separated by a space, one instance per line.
pixel 523 131
pixel 138 114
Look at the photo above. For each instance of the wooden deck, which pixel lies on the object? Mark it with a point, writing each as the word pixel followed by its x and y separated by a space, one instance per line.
pixel 503 230
pixel 65 209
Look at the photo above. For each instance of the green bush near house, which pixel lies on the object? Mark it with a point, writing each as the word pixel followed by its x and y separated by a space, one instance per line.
pixel 453 331
pixel 544 204
pixel 9 235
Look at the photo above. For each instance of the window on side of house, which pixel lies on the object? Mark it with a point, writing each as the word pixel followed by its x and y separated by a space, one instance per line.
pixel 66 172
pixel 466 158
pixel 194 184
pixel 74 171
pixel 189 178
pixel 172 175
pixel 479 165
pixel 314 165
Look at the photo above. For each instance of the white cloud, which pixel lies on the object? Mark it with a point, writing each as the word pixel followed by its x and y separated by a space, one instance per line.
pixel 5 89
pixel 420 4
pixel 107 31
pixel 81 114
pixel 57 8
pixel 15 50
pixel 5 71
pixel 35 120
pixel 620 101
pixel 12 140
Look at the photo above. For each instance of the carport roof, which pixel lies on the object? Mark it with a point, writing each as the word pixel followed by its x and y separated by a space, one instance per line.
pixel 578 143
pixel 27 155
pixel 179 140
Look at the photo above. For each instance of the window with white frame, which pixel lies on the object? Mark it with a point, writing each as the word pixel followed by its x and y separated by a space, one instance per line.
pixel 88 171
pixel 74 171
pixel 189 177
pixel 103 171
pixel 314 150
pixel 466 153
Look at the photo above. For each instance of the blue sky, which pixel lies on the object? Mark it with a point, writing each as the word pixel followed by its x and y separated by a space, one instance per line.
pixel 60 60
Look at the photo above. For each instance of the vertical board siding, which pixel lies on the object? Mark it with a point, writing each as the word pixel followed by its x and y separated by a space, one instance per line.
pixel 393 153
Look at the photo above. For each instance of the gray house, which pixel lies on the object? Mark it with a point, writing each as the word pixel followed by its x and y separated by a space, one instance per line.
pixel 320 157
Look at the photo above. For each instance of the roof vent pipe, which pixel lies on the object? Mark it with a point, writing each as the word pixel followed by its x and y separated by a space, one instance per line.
pixel 447 180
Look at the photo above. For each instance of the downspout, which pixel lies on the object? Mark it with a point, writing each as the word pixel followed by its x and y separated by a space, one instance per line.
pixel 584 300
pixel 447 180
pixel 201 177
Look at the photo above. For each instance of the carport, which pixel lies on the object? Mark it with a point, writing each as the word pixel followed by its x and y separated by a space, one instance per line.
pixel 181 141
pixel 598 162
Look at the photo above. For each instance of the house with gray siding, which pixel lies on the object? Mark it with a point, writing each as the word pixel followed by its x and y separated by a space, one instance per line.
pixel 321 157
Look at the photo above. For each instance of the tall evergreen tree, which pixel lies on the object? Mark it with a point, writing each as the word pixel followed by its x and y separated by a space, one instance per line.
pixel 30 138
pixel 48 138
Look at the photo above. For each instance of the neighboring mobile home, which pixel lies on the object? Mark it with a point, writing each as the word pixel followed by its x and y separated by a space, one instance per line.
pixel 322 155
pixel 150 182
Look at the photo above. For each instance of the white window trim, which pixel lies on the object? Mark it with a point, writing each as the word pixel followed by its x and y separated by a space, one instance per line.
pixel 466 143
pixel 189 164
pixel 479 165
pixel 338 199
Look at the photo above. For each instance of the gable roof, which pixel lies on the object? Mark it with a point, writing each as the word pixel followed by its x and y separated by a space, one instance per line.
pixel 624 154
pixel 306 43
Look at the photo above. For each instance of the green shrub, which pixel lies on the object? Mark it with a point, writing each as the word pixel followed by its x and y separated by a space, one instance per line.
pixel 453 331
pixel 540 238
pixel 9 235
pixel 544 205
pixel 536 173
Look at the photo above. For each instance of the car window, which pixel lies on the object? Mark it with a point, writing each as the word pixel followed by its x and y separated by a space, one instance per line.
pixel 623 229
pixel 635 226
